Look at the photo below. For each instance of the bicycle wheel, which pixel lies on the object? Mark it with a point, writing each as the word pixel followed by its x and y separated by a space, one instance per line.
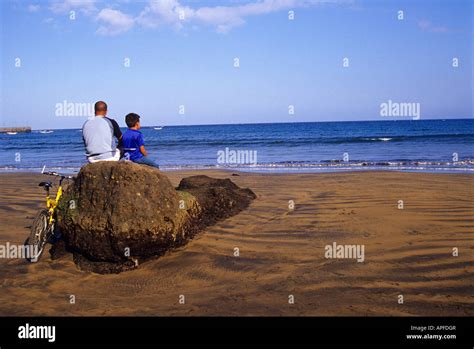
pixel 39 235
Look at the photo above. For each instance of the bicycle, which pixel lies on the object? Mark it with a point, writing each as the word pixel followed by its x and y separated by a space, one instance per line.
pixel 43 226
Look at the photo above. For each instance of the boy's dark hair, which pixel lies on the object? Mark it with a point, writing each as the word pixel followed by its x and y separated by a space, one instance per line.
pixel 132 119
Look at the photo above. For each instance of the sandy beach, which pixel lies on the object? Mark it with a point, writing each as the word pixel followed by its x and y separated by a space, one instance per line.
pixel 408 252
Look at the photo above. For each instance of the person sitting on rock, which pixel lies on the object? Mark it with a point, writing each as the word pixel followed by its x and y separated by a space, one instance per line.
pixel 98 134
pixel 133 143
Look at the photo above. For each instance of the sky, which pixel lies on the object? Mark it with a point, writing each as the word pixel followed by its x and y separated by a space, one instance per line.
pixel 178 62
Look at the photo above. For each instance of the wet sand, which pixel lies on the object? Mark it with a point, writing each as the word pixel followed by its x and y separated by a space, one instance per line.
pixel 408 252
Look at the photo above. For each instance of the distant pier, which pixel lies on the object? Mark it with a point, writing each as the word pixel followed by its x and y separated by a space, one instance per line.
pixel 25 129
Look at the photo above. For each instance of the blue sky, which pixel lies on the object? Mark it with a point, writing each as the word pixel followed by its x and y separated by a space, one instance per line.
pixel 182 54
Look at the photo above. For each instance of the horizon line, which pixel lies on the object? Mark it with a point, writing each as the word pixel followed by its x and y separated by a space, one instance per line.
pixel 260 123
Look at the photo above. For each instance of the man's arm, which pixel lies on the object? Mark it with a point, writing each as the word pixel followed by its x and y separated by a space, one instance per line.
pixel 117 132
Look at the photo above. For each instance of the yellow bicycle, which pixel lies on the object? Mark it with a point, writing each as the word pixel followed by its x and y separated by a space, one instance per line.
pixel 43 226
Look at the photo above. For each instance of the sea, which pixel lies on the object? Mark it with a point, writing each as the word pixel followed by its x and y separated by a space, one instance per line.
pixel 401 145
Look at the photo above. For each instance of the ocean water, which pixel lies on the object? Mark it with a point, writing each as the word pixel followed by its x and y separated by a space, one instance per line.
pixel 421 145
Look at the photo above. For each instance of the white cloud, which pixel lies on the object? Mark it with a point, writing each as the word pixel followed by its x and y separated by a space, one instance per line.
pixel 172 13
pixel 223 18
pixel 158 13
pixel 33 8
pixel 429 27
pixel 113 22
pixel 64 6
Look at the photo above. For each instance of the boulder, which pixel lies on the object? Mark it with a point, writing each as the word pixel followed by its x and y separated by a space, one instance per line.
pixel 118 214
pixel 217 198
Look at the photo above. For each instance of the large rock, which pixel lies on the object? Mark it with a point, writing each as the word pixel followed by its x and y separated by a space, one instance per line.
pixel 116 215
pixel 217 198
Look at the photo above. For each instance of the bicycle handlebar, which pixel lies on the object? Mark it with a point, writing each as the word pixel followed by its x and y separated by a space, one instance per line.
pixel 50 173
pixel 58 175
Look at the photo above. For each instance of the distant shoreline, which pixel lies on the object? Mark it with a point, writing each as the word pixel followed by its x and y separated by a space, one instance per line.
pixel 22 129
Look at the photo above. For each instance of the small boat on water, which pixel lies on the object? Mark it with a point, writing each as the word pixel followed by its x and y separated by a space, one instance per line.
pixel 158 128
pixel 46 131
pixel 12 133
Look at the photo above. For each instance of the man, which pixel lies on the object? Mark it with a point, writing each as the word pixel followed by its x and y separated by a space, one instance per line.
pixel 98 134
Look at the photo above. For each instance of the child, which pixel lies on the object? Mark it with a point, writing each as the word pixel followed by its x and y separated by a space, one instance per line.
pixel 133 143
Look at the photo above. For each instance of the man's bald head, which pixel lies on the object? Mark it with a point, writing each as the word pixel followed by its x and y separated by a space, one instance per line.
pixel 100 108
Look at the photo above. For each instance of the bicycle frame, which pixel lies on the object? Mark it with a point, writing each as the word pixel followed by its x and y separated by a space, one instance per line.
pixel 51 204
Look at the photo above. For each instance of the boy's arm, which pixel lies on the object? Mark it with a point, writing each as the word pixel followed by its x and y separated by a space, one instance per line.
pixel 143 151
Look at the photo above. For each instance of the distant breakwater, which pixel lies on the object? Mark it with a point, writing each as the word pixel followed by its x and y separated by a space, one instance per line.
pixel 24 129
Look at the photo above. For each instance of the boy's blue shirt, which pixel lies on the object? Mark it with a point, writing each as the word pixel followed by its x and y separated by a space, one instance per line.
pixel 133 139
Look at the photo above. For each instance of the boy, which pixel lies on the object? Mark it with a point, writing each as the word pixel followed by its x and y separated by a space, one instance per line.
pixel 133 143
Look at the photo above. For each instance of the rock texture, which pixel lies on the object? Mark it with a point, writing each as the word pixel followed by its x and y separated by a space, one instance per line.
pixel 117 214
